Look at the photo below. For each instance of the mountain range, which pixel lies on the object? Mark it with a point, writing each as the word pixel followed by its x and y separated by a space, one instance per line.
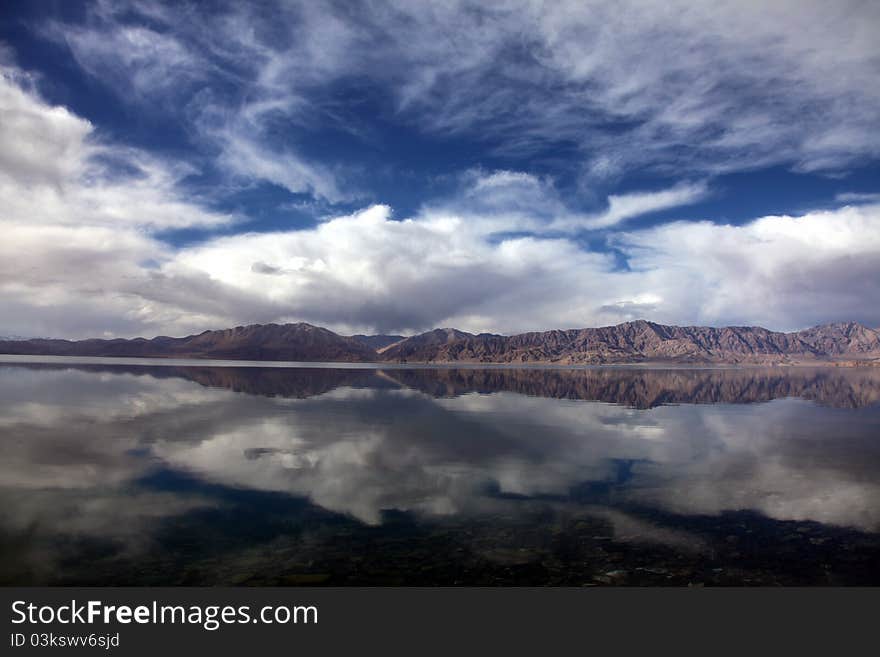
pixel 631 342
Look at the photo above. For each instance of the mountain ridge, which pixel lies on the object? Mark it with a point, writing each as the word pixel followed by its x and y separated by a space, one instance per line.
pixel 378 342
pixel 638 341
pixel 644 341
pixel 294 342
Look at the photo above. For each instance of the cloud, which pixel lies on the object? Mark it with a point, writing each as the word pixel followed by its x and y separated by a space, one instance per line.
pixel 245 157
pixel 263 268
pixel 78 216
pixel 640 306
pixel 335 450
pixel 780 271
pixel 505 201
pixel 677 89
pixel 628 206
pixel 38 144
pixel 232 89
pixel 81 255
pixel 857 197
pixel 364 269
pixel 135 58
pixel 53 162
pixel 502 201
pixel 368 269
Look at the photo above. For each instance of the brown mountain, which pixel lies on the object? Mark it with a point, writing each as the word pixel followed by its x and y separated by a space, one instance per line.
pixel 287 342
pixel 446 341
pixel 631 342
pixel 378 342
pixel 643 341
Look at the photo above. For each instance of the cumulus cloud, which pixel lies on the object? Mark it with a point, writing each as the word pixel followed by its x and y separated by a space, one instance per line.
pixel 40 144
pixel 83 216
pixel 52 160
pixel 78 216
pixel 80 255
pixel 779 271
pixel 368 269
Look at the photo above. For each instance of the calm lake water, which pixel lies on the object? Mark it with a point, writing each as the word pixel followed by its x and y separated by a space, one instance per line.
pixel 174 474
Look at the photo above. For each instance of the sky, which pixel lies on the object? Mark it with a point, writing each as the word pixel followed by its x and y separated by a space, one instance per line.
pixel 167 168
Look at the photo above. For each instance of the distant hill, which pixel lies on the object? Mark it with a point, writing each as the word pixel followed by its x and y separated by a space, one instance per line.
pixel 290 342
pixel 631 342
pixel 378 342
pixel 643 341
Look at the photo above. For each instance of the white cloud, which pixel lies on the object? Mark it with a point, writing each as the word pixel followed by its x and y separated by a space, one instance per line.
pixel 674 87
pixel 441 269
pixel 55 170
pixel 245 157
pixel 504 201
pixel 38 144
pixel 77 216
pixel 678 88
pixel 189 69
pixel 628 206
pixel 857 197
pixel 366 269
pixel 80 254
pixel 134 57
pixel 780 271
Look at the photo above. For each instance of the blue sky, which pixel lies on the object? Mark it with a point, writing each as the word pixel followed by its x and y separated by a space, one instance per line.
pixel 388 166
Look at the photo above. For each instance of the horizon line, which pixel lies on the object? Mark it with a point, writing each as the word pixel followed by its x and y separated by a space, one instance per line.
pixel 450 328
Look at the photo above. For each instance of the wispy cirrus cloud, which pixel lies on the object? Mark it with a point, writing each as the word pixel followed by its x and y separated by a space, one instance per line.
pixel 509 201
pixel 857 197
pixel 221 79
pixel 677 89
pixel 622 207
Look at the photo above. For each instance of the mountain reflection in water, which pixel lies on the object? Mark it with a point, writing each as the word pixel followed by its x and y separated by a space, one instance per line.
pixel 213 475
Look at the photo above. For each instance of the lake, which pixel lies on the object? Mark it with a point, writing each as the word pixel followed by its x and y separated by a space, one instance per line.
pixel 176 473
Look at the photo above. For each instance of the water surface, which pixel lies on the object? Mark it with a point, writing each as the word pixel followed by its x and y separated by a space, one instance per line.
pixel 195 474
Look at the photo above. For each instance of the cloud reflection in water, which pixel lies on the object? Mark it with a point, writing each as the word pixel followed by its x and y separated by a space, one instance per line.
pixel 81 447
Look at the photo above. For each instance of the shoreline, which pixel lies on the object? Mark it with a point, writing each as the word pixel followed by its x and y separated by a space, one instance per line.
pixel 171 361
